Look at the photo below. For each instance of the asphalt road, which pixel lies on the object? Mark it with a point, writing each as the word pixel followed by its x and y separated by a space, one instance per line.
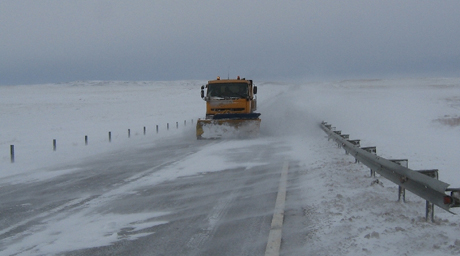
pixel 227 212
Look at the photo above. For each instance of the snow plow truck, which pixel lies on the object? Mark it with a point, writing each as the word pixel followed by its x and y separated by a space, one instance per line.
pixel 230 106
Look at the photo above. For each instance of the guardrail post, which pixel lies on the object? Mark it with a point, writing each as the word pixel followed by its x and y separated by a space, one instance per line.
pixel 129 133
pixel 356 143
pixel 429 209
pixel 346 137
pixel 372 150
pixel 12 153
pixel 144 130
pixel 338 143
pixel 328 126
pixel 157 128
pixel 54 145
pixel 401 194
pixel 401 190
pixel 86 139
pixel 110 136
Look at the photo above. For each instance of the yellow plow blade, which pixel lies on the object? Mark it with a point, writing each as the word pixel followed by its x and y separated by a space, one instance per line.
pixel 227 128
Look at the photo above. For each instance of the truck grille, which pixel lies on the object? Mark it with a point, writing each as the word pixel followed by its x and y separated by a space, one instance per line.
pixel 227 109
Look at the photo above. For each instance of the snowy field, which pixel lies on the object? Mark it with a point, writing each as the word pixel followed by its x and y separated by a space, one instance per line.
pixel 417 119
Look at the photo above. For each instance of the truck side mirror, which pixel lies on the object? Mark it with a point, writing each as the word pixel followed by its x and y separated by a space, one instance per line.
pixel 202 91
pixel 255 89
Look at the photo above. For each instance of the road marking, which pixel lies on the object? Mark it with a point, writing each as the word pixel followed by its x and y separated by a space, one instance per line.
pixel 274 238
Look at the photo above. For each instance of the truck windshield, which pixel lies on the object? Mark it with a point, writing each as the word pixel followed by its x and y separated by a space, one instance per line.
pixel 228 90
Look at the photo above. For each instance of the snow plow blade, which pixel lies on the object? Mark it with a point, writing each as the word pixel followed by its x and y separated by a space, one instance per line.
pixel 227 128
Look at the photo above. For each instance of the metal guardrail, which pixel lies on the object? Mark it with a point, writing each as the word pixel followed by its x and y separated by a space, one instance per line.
pixel 423 183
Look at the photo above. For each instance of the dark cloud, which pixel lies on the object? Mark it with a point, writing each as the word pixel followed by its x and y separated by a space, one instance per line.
pixel 58 41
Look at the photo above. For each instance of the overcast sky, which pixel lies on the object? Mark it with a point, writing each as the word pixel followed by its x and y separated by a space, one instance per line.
pixel 62 40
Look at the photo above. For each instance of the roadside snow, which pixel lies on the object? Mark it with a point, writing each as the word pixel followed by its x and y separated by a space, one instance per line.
pixel 34 115
pixel 346 212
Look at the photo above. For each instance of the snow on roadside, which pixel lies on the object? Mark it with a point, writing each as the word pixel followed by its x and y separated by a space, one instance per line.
pixel 348 213
pixel 34 115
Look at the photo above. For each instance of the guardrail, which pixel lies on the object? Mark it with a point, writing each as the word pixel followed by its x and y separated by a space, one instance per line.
pixel 423 183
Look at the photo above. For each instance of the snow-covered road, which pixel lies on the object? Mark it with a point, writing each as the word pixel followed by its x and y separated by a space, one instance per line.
pixel 145 202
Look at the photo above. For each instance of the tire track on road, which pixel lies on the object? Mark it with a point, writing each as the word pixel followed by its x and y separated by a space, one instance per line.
pixel 218 211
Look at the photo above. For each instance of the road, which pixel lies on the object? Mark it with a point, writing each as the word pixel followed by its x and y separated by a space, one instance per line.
pixel 152 200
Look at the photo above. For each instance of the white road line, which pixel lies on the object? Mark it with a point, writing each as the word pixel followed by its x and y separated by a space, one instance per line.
pixel 274 238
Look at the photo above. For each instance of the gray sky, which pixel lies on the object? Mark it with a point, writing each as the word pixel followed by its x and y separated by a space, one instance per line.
pixel 60 41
